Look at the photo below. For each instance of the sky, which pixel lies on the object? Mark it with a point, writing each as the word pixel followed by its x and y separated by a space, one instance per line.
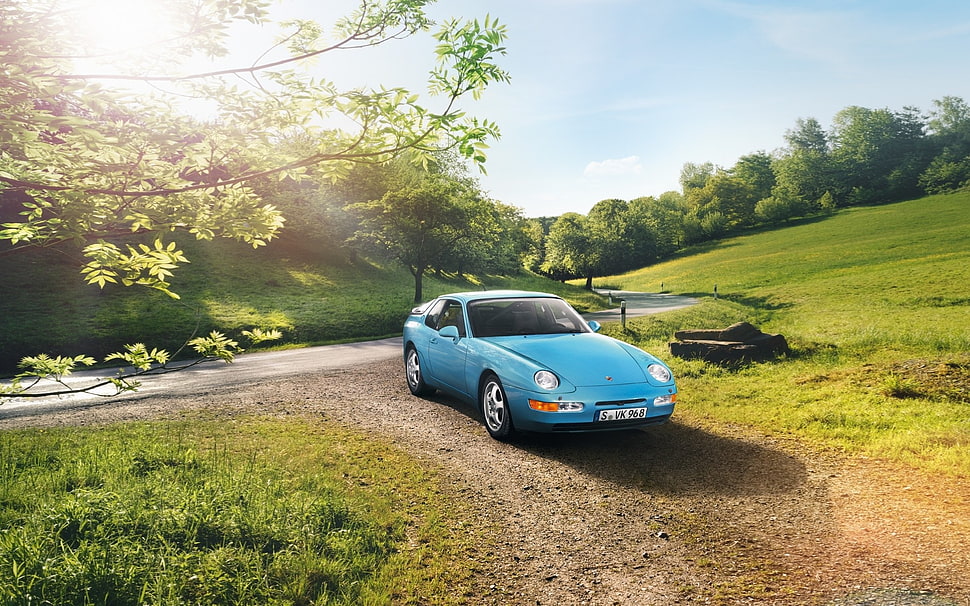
pixel 610 98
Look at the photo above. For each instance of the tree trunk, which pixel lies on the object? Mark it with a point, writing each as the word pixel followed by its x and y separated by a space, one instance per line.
pixel 418 274
pixel 589 282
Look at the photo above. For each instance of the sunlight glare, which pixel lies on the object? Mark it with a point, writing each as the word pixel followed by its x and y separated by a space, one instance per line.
pixel 115 26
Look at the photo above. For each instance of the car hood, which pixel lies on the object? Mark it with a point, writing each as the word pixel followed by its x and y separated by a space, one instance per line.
pixel 583 359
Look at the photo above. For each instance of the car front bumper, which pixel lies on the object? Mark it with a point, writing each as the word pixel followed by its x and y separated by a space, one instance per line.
pixel 594 400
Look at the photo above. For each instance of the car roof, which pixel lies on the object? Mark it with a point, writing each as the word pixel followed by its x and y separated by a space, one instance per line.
pixel 478 295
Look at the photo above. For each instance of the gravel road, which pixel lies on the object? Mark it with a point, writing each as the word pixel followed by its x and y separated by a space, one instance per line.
pixel 679 514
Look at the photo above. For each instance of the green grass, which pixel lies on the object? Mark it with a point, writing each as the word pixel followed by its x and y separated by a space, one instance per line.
pixel 228 287
pixel 875 304
pixel 873 301
pixel 216 511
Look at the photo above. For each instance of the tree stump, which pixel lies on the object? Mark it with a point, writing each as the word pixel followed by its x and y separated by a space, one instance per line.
pixel 736 343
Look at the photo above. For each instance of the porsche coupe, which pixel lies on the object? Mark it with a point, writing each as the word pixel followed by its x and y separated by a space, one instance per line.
pixel 531 363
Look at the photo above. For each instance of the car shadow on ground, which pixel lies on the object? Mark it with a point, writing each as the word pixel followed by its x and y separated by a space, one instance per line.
pixel 673 458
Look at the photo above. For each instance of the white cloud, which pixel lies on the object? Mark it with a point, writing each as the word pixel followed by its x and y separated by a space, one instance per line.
pixel 614 167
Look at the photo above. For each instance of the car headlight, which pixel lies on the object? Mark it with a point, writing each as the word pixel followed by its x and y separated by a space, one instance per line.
pixel 546 379
pixel 659 372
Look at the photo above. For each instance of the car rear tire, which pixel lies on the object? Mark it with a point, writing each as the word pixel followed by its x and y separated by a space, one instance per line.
pixel 495 408
pixel 412 371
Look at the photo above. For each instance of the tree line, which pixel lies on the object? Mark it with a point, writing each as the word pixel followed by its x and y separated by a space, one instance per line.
pixel 866 156
pixel 436 218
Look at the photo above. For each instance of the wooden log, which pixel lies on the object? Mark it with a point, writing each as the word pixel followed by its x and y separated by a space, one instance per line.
pixel 740 331
pixel 738 342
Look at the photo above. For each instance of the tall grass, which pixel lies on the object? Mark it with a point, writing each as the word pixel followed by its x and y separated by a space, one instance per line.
pixel 209 511
pixel 865 298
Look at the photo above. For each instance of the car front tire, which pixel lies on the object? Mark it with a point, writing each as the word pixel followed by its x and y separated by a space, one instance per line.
pixel 495 408
pixel 412 371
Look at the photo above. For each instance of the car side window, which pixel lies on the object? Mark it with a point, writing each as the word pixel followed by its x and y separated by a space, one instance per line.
pixel 431 320
pixel 452 315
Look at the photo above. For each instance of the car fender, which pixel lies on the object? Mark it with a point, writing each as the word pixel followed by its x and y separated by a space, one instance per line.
pixel 645 359
pixel 516 371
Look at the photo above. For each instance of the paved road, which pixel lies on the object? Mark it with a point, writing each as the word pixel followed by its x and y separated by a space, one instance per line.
pixel 639 304
pixel 208 376
pixel 254 367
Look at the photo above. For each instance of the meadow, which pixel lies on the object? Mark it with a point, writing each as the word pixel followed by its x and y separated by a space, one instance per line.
pixel 222 511
pixel 311 297
pixel 873 302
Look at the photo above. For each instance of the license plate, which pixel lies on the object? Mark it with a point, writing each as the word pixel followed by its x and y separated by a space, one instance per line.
pixel 622 414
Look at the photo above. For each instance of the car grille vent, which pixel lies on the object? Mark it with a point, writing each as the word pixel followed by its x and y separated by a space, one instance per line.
pixel 622 402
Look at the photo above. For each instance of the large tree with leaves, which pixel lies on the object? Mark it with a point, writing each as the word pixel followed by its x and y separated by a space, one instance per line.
pixel 98 153
pixel 88 157
pixel 571 249
pixel 426 225
pixel 949 126
pixel 878 154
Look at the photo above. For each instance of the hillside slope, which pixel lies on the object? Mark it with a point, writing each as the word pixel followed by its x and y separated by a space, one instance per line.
pixel 874 302
pixel 294 287
pixel 893 276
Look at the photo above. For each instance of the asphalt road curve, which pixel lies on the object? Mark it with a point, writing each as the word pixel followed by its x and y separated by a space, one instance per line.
pixel 639 304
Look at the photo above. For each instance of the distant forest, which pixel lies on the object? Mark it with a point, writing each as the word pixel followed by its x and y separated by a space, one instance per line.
pixel 866 156
pixel 439 221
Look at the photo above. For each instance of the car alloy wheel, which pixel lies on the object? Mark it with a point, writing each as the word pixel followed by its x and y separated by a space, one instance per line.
pixel 412 370
pixel 495 408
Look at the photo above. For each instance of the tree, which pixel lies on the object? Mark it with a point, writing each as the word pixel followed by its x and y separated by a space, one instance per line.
pixel 534 241
pixel 505 250
pixel 804 172
pixel 663 220
pixel 756 172
pixel 946 173
pixel 808 135
pixel 423 226
pixel 89 159
pixel 950 120
pixel 878 154
pixel 695 176
pixel 803 176
pixel 612 234
pixel 727 196
pixel 949 126
pixel 84 163
pixel 570 250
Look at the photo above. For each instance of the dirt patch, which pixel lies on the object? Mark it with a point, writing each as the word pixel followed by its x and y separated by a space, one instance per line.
pixel 678 514
pixel 940 379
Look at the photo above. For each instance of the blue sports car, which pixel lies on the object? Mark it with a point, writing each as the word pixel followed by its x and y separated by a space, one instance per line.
pixel 531 363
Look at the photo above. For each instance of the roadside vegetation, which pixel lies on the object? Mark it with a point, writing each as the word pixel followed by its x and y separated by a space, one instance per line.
pixel 211 511
pixel 311 298
pixel 873 302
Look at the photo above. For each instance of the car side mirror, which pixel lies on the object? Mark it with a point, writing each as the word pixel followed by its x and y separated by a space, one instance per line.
pixel 449 332
pixel 594 325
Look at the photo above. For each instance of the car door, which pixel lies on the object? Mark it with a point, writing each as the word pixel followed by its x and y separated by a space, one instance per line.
pixel 447 355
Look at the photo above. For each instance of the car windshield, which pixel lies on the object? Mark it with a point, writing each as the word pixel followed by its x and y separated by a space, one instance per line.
pixel 525 316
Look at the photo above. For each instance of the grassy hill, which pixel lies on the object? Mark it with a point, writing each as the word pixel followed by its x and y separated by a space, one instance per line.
pixel 874 302
pixel 876 305
pixel 228 286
